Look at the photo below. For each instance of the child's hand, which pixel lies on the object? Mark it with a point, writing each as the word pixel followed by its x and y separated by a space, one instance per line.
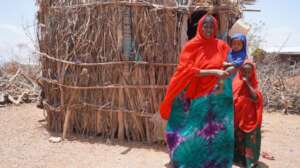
pixel 245 79
pixel 226 64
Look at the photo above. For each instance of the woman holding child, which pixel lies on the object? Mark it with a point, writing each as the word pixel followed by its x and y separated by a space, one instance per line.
pixel 199 131
pixel 200 119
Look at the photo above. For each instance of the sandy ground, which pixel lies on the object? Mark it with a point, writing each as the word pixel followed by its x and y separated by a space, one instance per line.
pixel 24 143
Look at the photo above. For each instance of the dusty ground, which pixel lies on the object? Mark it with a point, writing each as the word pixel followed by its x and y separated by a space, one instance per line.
pixel 24 143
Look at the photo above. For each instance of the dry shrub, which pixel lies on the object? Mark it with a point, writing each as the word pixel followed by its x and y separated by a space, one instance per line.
pixel 10 67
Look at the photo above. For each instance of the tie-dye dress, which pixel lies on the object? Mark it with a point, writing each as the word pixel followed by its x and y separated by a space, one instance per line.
pixel 200 132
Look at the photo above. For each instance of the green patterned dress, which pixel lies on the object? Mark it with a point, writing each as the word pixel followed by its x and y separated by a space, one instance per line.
pixel 200 131
pixel 247 147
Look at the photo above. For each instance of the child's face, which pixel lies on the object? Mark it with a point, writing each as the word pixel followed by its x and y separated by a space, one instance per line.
pixel 246 70
pixel 236 45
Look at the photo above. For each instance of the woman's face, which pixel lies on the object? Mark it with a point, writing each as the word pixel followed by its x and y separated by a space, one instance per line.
pixel 236 45
pixel 246 70
pixel 208 28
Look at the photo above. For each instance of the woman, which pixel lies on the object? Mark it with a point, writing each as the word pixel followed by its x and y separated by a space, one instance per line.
pixel 199 131
pixel 248 104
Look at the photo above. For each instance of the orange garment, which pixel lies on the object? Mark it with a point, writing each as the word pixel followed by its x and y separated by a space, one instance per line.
pixel 199 53
pixel 248 113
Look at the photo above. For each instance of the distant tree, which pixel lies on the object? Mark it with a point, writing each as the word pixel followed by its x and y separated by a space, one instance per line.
pixel 258 54
pixel 255 36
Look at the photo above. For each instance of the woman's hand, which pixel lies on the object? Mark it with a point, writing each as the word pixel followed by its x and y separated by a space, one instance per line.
pixel 222 74
pixel 213 72
pixel 231 70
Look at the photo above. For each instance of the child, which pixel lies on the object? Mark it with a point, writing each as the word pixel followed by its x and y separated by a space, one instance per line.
pixel 248 108
pixel 236 57
pixel 238 54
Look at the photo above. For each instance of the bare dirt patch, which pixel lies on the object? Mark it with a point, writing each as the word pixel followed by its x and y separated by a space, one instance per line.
pixel 25 143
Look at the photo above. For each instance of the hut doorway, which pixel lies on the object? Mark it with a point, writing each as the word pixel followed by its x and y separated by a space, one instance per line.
pixel 193 22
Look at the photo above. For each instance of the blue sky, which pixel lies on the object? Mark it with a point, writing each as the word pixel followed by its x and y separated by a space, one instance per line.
pixel 17 18
pixel 281 20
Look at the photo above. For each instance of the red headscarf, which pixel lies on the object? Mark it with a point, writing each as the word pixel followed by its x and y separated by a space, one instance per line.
pixel 199 53
pixel 248 113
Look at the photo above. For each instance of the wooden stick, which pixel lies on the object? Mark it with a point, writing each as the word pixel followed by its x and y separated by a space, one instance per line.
pixel 106 63
pixel 116 86
pixel 120 116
